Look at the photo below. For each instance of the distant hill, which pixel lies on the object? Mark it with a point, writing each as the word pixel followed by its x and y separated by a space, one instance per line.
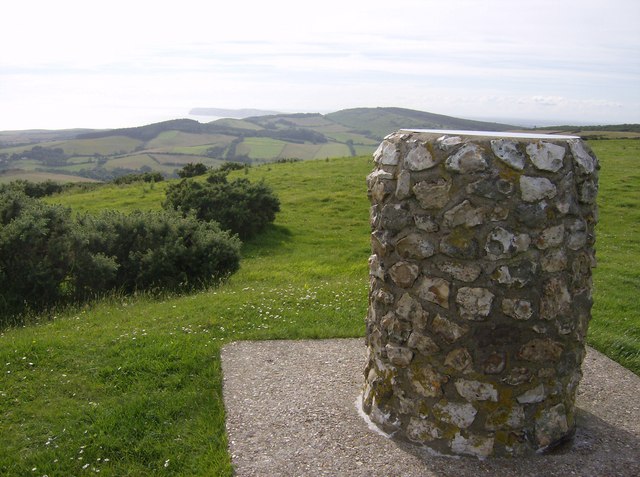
pixel 169 145
pixel 230 113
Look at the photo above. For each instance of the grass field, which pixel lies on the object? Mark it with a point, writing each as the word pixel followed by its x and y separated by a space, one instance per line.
pixel 133 386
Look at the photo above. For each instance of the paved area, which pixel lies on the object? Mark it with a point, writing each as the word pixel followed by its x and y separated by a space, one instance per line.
pixel 291 411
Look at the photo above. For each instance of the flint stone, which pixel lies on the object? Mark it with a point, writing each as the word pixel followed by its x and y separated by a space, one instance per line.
pixel 552 425
pixel 420 430
pixel 445 142
pixel 399 355
pixel 517 275
pixel 407 306
pixel 404 274
pixel 546 156
pixel 518 376
pixel 518 309
pixel 449 330
pixel 418 158
pixel 459 245
pixel 383 297
pixel 495 363
pixel 394 217
pixel 379 191
pixel 491 188
pixel 459 359
pixel 476 390
pixel 467 272
pixel 415 246
pixel 422 343
pixel 556 300
pixel 587 191
pixel 375 268
pixel 550 237
pixel 432 194
pixel 474 445
pixel 467 159
pixel 387 154
pixel 435 290
pixel 377 175
pixel 505 418
pixel 503 244
pixel 554 260
pixel 460 415
pixel 507 151
pixel 532 215
pixel 426 381
pixel 380 243
pixel 539 350
pixel 475 303
pixel 403 185
pixel 533 395
pixel 425 223
pixel 534 189
pixel 581 157
pixel 465 214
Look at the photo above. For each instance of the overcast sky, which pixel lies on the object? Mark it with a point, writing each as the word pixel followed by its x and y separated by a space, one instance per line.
pixel 68 63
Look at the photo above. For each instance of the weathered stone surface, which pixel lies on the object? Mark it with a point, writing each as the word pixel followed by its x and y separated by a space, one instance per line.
pixel 533 189
pixel 375 268
pixel 422 343
pixel 505 418
pixel 476 390
pixel 465 214
pixel 550 237
pixel 533 395
pixel 503 244
pixel 426 223
pixel 474 445
pixel 426 381
pixel 418 158
pixel 460 415
pixel 449 330
pixel 585 163
pixel 518 309
pixel 546 156
pixel 386 154
pixel 415 246
pixel 403 185
pixel 551 425
pixel 465 272
pixel 480 296
pixel 474 303
pixel 459 359
pixel 507 151
pixel 420 430
pixel 404 274
pixel 468 158
pixel 556 300
pixel 432 194
pixel 399 355
pixel 394 217
pixel 554 260
pixel 435 290
pixel 540 350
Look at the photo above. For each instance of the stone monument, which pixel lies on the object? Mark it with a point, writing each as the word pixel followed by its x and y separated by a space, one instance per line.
pixel 480 288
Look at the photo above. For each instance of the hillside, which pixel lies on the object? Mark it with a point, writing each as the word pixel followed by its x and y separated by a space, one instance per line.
pixel 132 385
pixel 169 145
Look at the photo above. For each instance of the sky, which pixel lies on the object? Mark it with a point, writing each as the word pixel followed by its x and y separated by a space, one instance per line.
pixel 69 63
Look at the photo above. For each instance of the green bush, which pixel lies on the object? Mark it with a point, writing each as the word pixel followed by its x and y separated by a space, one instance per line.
pixel 239 206
pixel 152 250
pixel 48 258
pixel 192 170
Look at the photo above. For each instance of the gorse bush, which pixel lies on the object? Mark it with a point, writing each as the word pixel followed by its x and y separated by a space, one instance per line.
pixel 48 258
pixel 239 206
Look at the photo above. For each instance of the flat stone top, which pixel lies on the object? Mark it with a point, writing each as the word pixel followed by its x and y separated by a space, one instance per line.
pixel 498 134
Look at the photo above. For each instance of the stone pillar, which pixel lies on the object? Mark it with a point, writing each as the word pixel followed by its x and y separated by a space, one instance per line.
pixel 480 288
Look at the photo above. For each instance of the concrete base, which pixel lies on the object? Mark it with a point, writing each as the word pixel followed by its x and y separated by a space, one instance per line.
pixel 291 411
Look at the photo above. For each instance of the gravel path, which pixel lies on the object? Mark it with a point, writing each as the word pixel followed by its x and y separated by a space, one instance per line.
pixel 291 411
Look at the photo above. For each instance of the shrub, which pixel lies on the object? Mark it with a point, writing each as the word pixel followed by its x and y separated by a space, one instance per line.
pixel 139 177
pixel 238 206
pixel 192 170
pixel 152 250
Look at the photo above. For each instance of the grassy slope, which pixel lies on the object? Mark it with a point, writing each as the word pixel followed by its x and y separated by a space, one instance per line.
pixel 138 381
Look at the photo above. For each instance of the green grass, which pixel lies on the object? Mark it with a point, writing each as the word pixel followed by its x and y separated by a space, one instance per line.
pixel 615 328
pixel 133 386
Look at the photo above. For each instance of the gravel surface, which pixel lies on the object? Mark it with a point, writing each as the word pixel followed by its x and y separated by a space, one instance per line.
pixel 291 411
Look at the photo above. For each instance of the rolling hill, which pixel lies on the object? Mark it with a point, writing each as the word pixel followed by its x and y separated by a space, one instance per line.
pixel 167 146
